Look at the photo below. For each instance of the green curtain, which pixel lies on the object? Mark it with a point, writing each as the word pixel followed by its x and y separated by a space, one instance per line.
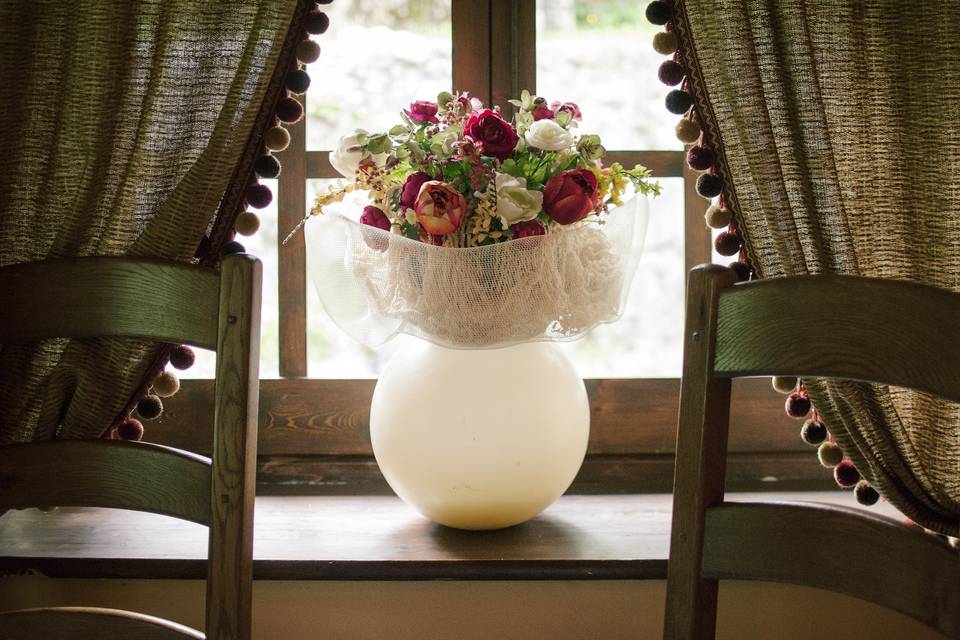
pixel 837 128
pixel 128 126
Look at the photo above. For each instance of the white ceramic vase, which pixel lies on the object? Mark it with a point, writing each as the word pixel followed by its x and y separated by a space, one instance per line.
pixel 480 439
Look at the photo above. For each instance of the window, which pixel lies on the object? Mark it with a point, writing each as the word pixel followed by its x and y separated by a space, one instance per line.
pixel 378 56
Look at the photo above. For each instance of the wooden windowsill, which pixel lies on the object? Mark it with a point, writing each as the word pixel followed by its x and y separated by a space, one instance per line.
pixel 609 537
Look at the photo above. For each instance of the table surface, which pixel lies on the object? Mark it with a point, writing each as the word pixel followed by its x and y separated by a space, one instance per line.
pixel 365 538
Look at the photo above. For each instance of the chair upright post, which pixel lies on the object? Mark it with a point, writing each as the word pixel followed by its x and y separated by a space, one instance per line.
pixel 691 605
pixel 233 485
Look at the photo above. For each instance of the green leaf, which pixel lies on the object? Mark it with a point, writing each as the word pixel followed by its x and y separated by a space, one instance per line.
pixel 399 130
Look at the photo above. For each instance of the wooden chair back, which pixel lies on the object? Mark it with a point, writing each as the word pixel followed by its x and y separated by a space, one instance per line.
pixel 825 326
pixel 88 297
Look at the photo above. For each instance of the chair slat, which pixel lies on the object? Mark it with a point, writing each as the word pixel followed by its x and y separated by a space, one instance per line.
pixel 113 474
pixel 104 296
pixel 89 623
pixel 832 326
pixel 844 550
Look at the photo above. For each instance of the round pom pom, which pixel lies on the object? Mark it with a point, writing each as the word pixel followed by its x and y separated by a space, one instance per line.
pixel 232 247
pixel 316 22
pixel 687 131
pixel 276 139
pixel 709 185
pixel 717 217
pixel 150 407
pixel 267 167
pixel 700 158
pixel 289 110
pixel 742 269
pixel 166 384
pixel 130 429
pixel 182 357
pixel 797 405
pixel 308 51
pixel 784 384
pixel 665 42
pixel 727 243
pixel 678 101
pixel 845 474
pixel 659 12
pixel 865 494
pixel 259 196
pixel 829 454
pixel 670 73
pixel 297 81
pixel 247 223
pixel 813 432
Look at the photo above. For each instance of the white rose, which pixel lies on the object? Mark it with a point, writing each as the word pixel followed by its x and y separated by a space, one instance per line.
pixel 516 203
pixel 548 135
pixel 345 160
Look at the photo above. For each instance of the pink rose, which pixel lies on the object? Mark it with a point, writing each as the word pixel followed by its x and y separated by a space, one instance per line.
pixel 543 113
pixel 440 208
pixel 571 195
pixel 411 188
pixel 468 103
pixel 528 229
pixel 494 134
pixel 374 217
pixel 569 107
pixel 422 111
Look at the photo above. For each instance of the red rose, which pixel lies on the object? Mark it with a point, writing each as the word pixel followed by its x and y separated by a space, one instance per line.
pixel 411 188
pixel 494 134
pixel 528 229
pixel 571 195
pixel 374 217
pixel 440 208
pixel 543 113
pixel 422 111
pixel 569 107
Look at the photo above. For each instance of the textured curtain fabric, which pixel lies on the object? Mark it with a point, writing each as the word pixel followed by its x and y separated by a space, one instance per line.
pixel 837 126
pixel 127 127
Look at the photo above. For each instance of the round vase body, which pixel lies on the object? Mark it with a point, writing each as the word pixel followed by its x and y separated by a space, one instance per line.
pixel 480 439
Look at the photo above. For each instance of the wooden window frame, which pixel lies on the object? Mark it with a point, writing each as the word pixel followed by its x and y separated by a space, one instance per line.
pixel 313 436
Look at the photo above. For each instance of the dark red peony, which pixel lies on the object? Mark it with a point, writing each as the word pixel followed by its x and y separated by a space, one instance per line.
pixel 571 195
pixel 543 113
pixel 411 188
pixel 374 217
pixel 495 135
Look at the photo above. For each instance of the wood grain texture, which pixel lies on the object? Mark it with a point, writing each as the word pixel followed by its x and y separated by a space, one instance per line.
pixel 89 623
pixel 115 474
pixel 599 475
pixel 103 296
pixel 331 417
pixel 691 604
pixel 471 47
pixel 697 238
pixel 844 550
pixel 843 327
pixel 363 537
pixel 229 583
pixel 292 257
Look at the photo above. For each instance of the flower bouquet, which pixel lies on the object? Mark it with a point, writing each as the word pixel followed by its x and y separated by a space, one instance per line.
pixel 479 232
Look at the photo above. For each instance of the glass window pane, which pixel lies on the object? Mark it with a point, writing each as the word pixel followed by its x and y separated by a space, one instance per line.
pixel 647 342
pixel 378 56
pixel 598 54
pixel 263 245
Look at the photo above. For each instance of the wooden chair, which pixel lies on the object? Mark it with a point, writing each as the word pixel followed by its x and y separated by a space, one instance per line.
pixel 90 297
pixel 824 326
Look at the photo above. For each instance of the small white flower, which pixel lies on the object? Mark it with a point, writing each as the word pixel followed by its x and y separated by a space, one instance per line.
pixel 347 156
pixel 516 203
pixel 548 135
